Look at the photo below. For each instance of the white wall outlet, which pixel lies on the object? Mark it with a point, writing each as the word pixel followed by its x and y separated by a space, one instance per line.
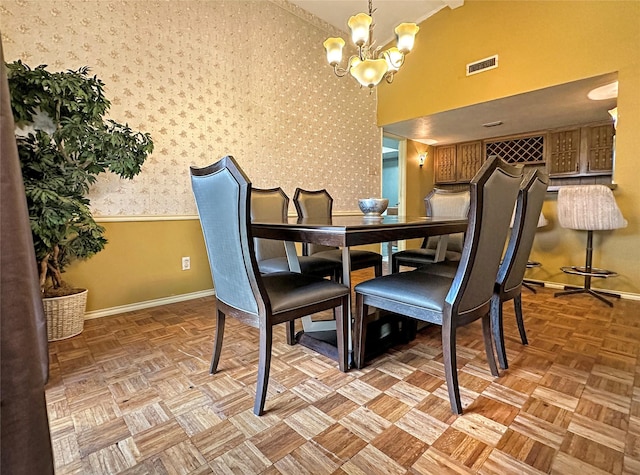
pixel 186 263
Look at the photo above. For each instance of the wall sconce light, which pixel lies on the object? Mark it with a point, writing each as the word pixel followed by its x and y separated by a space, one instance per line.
pixel 422 157
pixel 614 115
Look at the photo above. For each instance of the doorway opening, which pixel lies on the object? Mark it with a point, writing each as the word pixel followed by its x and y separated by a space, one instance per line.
pixel 392 183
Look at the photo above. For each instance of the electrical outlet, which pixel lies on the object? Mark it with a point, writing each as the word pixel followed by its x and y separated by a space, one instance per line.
pixel 186 263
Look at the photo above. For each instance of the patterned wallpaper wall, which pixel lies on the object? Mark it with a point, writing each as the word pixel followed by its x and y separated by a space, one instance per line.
pixel 208 78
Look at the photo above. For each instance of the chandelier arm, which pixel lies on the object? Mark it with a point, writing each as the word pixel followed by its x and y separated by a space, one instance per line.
pixel 339 71
pixel 400 61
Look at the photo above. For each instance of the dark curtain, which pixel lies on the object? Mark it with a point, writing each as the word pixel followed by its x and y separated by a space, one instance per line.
pixel 25 444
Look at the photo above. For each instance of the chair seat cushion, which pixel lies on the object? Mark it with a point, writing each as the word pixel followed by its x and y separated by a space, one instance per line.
pixel 418 289
pixel 290 290
pixel 359 259
pixel 422 256
pixel 444 269
pixel 308 265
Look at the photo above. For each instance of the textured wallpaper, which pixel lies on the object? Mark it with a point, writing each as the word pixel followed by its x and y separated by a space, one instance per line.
pixel 208 78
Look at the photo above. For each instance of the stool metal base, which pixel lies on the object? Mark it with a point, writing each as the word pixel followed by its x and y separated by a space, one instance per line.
pixel 595 293
pixel 530 283
pixel 588 272
pixel 592 272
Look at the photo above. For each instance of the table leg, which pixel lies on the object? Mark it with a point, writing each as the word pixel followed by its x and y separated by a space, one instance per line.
pixel 441 250
pixel 292 256
pixel 294 266
pixel 346 280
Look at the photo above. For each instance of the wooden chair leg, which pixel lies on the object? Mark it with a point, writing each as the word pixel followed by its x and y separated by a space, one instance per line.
pixel 498 331
pixel 517 305
pixel 360 331
pixel 342 334
pixel 488 344
pixel 395 266
pixel 264 365
pixel 378 269
pixel 291 332
pixel 217 344
pixel 450 370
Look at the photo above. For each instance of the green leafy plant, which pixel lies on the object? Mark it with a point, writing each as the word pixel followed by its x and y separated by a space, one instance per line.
pixel 64 142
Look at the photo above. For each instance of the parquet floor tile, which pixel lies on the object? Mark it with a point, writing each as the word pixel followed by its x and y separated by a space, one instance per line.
pixel 132 395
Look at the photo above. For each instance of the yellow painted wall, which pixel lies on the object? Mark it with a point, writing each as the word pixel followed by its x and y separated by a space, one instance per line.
pixel 539 44
pixel 419 182
pixel 141 262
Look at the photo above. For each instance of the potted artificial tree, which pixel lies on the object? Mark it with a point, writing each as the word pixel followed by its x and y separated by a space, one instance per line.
pixel 64 142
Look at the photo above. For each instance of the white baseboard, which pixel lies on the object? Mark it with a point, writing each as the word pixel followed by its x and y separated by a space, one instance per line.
pixel 105 312
pixel 555 285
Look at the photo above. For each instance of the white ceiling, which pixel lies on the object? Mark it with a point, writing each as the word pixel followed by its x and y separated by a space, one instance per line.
pixel 553 107
pixel 387 13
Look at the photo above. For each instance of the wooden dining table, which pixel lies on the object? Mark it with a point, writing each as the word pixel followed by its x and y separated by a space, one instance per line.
pixel 345 232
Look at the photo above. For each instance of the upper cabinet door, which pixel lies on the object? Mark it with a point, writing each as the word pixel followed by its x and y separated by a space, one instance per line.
pixel 445 164
pixel 600 154
pixel 468 160
pixel 564 152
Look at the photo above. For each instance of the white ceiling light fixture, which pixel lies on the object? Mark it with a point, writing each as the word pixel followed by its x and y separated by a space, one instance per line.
pixel 370 65
pixel 608 91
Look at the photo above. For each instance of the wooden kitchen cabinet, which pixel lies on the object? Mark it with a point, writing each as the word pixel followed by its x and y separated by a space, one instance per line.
pixel 468 160
pixel 457 163
pixel 564 152
pixel 445 164
pixel 600 153
pixel 581 151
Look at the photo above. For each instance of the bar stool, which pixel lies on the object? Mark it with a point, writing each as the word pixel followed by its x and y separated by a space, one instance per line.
pixel 542 222
pixel 589 208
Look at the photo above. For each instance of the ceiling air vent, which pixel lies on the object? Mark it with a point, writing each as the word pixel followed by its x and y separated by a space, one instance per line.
pixel 482 65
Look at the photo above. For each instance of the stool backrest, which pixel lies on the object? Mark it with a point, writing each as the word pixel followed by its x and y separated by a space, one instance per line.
pixel 589 208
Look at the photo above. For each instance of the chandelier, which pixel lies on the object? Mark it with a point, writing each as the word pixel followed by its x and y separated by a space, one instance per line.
pixel 370 65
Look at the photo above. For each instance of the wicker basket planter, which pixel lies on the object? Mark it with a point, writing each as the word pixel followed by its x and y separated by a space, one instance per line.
pixel 65 315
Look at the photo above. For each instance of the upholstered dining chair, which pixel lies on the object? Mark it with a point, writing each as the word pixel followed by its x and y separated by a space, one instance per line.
pixel 452 301
pixel 509 280
pixel 438 203
pixel 272 205
pixel 516 259
pixel 223 196
pixel 589 208
pixel 319 204
pixel 526 283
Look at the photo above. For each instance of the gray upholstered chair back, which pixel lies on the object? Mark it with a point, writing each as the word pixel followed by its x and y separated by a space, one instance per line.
pixel 441 203
pixel 222 193
pixel 494 190
pixel 269 205
pixel 313 204
pixel 525 223
pixel 589 208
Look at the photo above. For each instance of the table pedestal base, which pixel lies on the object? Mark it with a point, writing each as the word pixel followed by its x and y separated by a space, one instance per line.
pixel 382 334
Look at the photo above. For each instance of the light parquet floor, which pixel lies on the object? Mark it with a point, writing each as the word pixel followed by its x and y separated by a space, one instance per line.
pixel 132 394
